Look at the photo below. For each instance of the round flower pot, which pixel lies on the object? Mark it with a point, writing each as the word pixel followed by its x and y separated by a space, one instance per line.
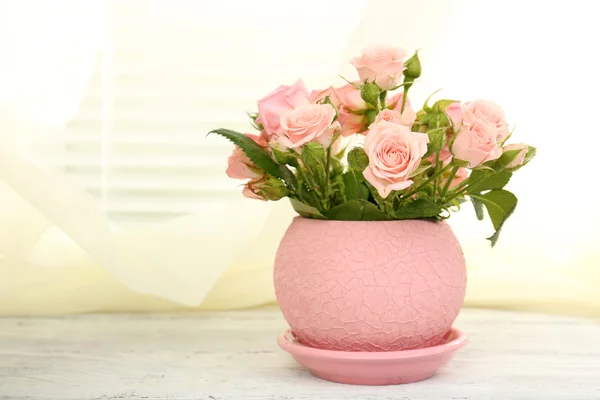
pixel 369 285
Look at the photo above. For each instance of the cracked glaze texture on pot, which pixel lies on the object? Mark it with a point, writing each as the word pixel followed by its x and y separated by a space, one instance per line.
pixel 369 286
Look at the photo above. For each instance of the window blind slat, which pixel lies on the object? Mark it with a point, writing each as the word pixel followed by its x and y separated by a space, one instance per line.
pixel 170 82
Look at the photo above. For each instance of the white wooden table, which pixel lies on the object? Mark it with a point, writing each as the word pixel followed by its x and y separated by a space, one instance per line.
pixel 234 355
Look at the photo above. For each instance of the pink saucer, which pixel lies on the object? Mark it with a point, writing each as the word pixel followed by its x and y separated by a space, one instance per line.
pixel 374 368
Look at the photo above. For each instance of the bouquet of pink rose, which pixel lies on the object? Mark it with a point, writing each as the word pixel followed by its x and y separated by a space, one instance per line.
pixel 413 165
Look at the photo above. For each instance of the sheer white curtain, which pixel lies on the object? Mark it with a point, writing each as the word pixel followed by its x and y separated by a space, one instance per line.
pixel 59 252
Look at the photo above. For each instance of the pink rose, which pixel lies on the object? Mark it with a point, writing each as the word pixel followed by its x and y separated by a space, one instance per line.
pixel 489 112
pixel 390 116
pixel 445 154
pixel 395 102
pixel 263 139
pixel 312 122
pixel 350 98
pixel 455 113
pixel 406 117
pixel 281 100
pixel 239 165
pixel 520 159
pixel 318 95
pixel 476 144
pixel 381 64
pixel 394 153
pixel 351 123
pixel 479 111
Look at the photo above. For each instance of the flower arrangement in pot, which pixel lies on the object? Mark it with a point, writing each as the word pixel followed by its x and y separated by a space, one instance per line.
pixel 370 265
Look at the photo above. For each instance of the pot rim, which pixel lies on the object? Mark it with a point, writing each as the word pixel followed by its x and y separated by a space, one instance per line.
pixel 299 217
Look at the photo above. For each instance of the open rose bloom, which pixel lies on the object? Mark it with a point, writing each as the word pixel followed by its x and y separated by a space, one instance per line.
pixel 415 163
pixel 394 153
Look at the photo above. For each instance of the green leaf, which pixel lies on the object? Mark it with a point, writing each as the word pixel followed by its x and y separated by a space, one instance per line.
pixel 305 210
pixel 478 206
pixel 437 141
pixel 354 186
pixel 500 204
pixel 441 105
pixel 439 120
pixel 259 156
pixel 255 153
pixel 419 208
pixel 313 154
pixel 488 180
pixel 289 178
pixel 425 119
pixel 356 210
pixel 358 159
pixel 420 169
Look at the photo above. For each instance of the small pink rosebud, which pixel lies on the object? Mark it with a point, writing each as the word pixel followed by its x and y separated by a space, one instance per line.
pixel 265 188
pixel 520 158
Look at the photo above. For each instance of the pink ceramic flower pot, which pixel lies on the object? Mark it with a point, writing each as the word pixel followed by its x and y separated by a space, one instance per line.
pixel 369 286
